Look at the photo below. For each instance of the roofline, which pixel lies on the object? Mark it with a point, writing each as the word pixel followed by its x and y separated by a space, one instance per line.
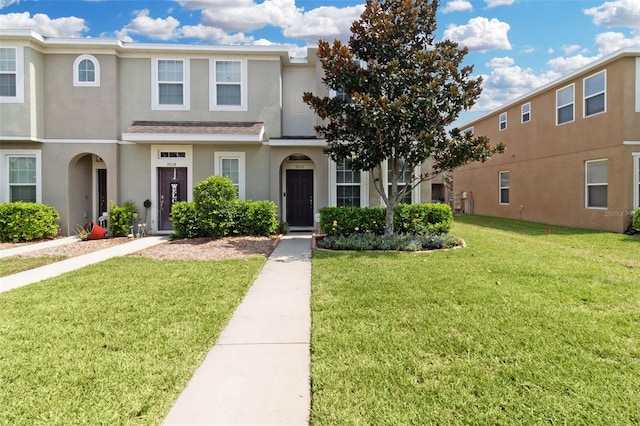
pixel 123 46
pixel 620 53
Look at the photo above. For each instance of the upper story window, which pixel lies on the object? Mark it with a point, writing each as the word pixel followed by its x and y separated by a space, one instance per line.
pixel 596 184
pixel 565 105
pixel 503 121
pixel 11 75
pixel 595 94
pixel 86 71
pixel 229 85
pixel 504 187
pixel 525 110
pixel 170 90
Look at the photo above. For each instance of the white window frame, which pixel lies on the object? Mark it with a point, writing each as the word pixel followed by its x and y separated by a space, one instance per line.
pixel 19 72
pixel 587 184
pixel 572 103
pixel 415 192
pixel 186 86
pixel 636 179
pixel 240 156
pixel 333 186
pixel 76 72
pixel 213 96
pixel 502 122
pixel 5 155
pixel 585 97
pixel 523 112
pixel 500 188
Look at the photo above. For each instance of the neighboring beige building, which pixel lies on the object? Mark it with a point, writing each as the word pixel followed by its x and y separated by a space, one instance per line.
pixel 88 121
pixel 572 151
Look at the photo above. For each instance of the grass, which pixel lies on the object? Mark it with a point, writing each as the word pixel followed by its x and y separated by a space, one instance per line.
pixel 113 343
pixel 520 327
pixel 13 265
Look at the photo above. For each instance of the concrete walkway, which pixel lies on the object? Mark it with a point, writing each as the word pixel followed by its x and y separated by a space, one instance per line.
pixel 258 371
pixel 58 268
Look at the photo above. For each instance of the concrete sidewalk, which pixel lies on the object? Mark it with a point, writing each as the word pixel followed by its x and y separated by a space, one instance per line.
pixel 58 268
pixel 258 372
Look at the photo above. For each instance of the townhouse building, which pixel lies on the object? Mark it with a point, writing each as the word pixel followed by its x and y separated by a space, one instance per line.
pixel 87 121
pixel 572 151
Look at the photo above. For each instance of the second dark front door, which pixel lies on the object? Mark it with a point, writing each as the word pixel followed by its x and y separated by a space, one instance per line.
pixel 299 197
pixel 172 187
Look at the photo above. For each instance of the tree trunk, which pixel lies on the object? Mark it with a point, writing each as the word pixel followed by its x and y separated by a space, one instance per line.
pixel 388 223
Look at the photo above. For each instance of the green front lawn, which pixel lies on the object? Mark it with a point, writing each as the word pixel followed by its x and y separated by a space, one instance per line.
pixel 113 343
pixel 13 265
pixel 520 327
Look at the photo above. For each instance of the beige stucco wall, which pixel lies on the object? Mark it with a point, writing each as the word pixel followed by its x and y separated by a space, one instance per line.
pixel 546 163
pixel 72 112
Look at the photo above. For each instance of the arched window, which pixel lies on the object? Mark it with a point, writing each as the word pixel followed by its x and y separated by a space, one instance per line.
pixel 86 71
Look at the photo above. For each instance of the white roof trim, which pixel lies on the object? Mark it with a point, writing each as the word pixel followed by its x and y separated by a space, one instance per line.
pixel 631 143
pixel 625 51
pixel 42 140
pixel 172 137
pixel 297 142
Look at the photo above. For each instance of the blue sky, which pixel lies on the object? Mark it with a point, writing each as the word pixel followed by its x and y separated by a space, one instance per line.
pixel 516 45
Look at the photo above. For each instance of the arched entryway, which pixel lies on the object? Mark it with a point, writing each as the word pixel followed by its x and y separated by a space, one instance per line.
pixel 87 198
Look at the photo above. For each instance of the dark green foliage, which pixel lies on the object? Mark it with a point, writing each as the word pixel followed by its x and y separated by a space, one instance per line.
pixel 395 242
pixel 214 200
pixel 401 104
pixel 120 218
pixel 185 220
pixel 216 212
pixel 20 221
pixel 255 218
pixel 636 218
pixel 413 219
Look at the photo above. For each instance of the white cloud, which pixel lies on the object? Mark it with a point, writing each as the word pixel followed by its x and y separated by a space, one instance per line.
pixel 569 49
pixel 457 6
pixel 204 32
pixel 618 13
pixel 494 3
pixel 611 41
pixel 569 64
pixel 69 26
pixel 5 3
pixel 143 24
pixel 324 22
pixel 480 34
pixel 246 15
pixel 505 61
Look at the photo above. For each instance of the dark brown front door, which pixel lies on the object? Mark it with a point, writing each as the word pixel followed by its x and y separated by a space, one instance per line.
pixel 299 197
pixel 102 191
pixel 172 187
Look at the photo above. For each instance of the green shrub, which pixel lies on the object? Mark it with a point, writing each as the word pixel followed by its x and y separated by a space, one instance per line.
pixel 255 218
pixel 412 219
pixel 20 221
pixel 185 221
pixel 120 218
pixel 215 205
pixel 405 242
pixel 636 218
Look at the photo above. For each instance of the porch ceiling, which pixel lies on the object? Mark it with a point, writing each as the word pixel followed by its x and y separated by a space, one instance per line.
pixel 194 131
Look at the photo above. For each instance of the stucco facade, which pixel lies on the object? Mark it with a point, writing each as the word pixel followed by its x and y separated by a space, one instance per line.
pixel 96 120
pixel 572 151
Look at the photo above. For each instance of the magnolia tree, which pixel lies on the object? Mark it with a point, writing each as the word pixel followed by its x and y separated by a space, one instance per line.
pixel 402 90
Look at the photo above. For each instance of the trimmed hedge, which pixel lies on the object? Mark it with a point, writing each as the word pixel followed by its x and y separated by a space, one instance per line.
pixel 216 212
pixel 411 219
pixel 396 242
pixel 20 221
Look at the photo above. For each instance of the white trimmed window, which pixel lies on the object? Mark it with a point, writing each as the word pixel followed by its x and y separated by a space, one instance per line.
pixel 346 186
pixel 231 165
pixel 596 184
pixel 170 84
pixel 502 122
pixel 22 179
pixel 504 187
pixel 228 82
pixel 595 94
pixel 86 71
pixel 565 105
pixel 412 196
pixel 11 75
pixel 525 111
